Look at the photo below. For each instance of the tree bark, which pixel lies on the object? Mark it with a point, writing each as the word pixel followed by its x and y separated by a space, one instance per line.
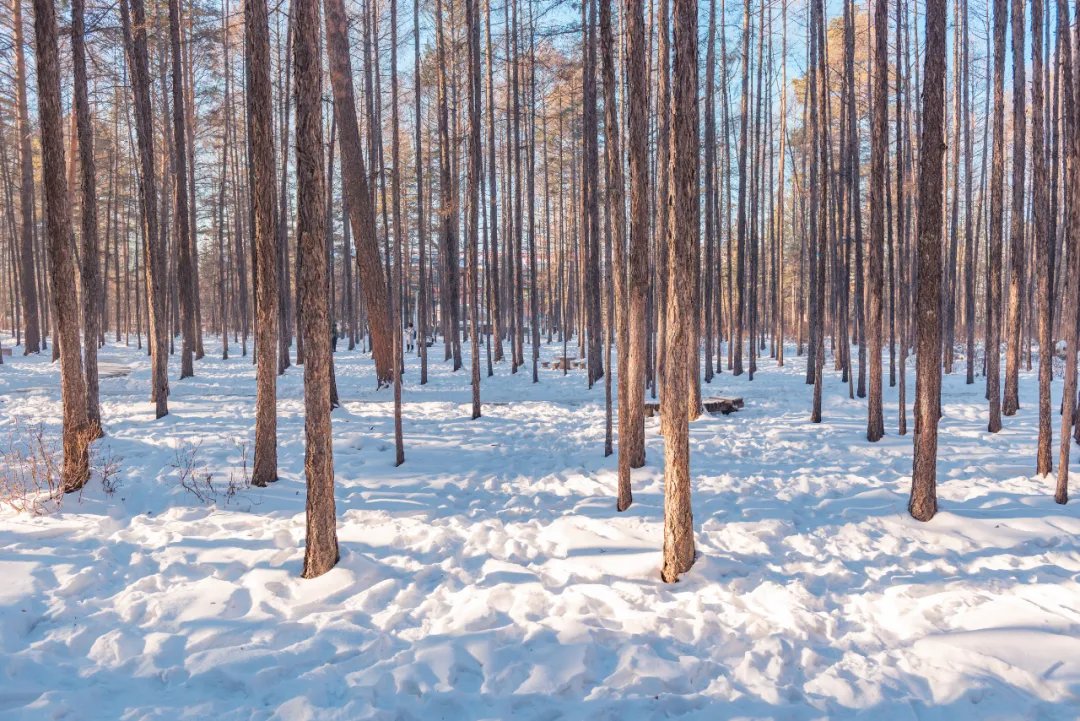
pixel 923 502
pixel 91 284
pixel 134 25
pixel 185 278
pixel 638 284
pixel 879 147
pixel 472 221
pixel 1072 257
pixel 321 547
pixel 997 180
pixel 77 432
pixel 260 127
pixel 681 315
pixel 27 285
pixel 1041 241
pixel 355 182
pixel 1017 258
pixel 617 224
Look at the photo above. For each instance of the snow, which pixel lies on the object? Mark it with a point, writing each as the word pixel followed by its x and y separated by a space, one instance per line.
pixel 490 576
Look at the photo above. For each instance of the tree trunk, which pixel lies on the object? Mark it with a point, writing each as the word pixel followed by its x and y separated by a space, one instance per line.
pixel 740 218
pixel 1017 258
pixel 472 221
pixel 321 547
pixel 1041 241
pixel 591 202
pixel 27 285
pixel 1072 257
pixel 134 24
pixel 448 246
pixel 395 194
pixel 923 503
pixel 260 127
pixel 185 278
pixel 879 147
pixel 638 283
pixel 91 285
pixel 997 180
pixel 617 224
pixel 681 315
pixel 77 432
pixel 355 183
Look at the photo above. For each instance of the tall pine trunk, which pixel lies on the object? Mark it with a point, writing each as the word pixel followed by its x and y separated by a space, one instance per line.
pixel 260 127
pixel 27 285
pixel 321 547
pixel 923 502
pixel 77 433
pixel 134 26
pixel 879 148
pixel 91 284
pixel 681 315
pixel 1017 257
pixel 354 179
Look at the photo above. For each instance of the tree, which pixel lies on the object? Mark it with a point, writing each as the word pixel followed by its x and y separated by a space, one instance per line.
pixel 681 315
pixel 493 205
pixel 260 124
pixel 1041 241
pixel 472 222
pixel 923 503
pixel 1017 257
pixel 997 178
pixel 321 548
pixel 421 224
pixel 742 239
pixel 134 26
pixel 879 147
pixel 27 286
pixel 395 194
pixel 590 199
pixel 91 288
pixel 354 177
pixel 663 181
pixel 617 224
pixel 1072 256
pixel 185 276
pixel 448 247
pixel 59 232
pixel 637 314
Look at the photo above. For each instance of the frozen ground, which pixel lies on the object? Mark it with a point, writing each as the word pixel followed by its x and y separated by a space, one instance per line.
pixel 491 578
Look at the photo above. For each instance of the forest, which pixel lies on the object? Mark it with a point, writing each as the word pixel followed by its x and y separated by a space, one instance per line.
pixel 539 359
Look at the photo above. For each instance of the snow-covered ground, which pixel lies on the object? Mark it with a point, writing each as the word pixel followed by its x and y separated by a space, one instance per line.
pixel 490 576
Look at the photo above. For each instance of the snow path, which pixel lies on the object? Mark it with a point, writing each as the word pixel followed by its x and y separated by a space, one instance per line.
pixel 490 577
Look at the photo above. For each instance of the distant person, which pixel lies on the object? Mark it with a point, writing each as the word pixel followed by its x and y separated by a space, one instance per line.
pixel 410 338
pixel 333 336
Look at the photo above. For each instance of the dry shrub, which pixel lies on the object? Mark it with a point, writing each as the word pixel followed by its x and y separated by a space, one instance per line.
pixel 197 479
pixel 31 461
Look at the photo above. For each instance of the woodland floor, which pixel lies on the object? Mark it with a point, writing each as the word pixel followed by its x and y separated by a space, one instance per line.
pixel 490 576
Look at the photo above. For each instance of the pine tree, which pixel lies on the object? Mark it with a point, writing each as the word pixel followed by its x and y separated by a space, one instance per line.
pixel 77 432
pixel 923 503
pixel 264 219
pixel 681 315
pixel 321 547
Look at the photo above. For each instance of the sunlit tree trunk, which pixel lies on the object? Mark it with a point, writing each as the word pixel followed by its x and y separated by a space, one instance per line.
pixel 321 547
pixel 681 315
pixel 77 433
pixel 923 503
